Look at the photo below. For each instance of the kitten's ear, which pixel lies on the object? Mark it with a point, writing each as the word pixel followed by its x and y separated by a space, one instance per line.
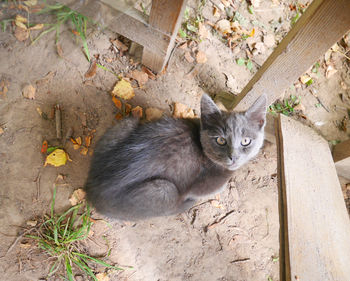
pixel 208 106
pixel 257 112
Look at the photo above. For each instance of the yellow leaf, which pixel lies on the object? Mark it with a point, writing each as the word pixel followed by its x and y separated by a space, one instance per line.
pixel 19 18
pixel 124 90
pixel 76 146
pixel 37 26
pixel 78 140
pixel 30 2
pixel 20 24
pixel 57 158
pixel 84 150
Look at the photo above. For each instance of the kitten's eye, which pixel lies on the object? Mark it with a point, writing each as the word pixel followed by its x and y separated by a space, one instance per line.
pixel 246 142
pixel 220 141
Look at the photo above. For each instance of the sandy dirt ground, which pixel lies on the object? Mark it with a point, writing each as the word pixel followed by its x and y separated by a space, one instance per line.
pixel 232 236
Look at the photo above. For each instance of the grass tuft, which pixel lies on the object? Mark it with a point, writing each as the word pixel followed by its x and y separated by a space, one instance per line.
pixel 285 107
pixel 60 236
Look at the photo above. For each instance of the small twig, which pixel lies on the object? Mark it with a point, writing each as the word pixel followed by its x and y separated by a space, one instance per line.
pixel 58 121
pixel 20 265
pixel 342 54
pixel 318 99
pixel 17 239
pixel 240 260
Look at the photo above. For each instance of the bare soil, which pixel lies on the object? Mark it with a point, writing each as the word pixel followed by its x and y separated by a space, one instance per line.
pixel 232 236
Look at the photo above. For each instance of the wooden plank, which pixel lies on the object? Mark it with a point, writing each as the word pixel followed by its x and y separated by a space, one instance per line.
pixel 341 157
pixel 166 17
pixel 322 25
pixel 316 227
pixel 134 25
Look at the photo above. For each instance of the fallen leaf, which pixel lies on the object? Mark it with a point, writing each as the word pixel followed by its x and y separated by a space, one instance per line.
pixel 30 2
pixel 84 150
pixel 216 12
pixel 51 149
pixel 201 57
pixel 59 50
pixel 117 102
pixel 216 204
pixel 39 111
pixel 119 116
pixel 21 34
pixel 25 245
pixel 140 76
pixel 77 196
pixel 73 141
pixel 202 31
pixel 21 25
pixel 22 7
pixel 149 73
pixel 44 147
pixel 92 70
pixel 124 90
pixel 127 108
pixel 121 46
pixel 88 141
pixel 102 276
pixel 47 78
pixel 57 158
pixel 60 180
pixel 21 19
pixel 76 146
pixel 188 57
pixel 305 78
pixel 153 113
pixel 330 71
pixel 78 140
pixel 29 92
pixel 37 26
pixel 1 131
pixel 32 223
pixel 137 112
pixel 182 111
pixel 224 26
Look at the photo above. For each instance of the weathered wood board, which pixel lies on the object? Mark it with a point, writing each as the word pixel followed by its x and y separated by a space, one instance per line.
pixel 315 226
pixel 322 25
pixel 341 157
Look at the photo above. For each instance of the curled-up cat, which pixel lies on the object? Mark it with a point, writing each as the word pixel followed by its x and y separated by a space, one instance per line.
pixel 161 168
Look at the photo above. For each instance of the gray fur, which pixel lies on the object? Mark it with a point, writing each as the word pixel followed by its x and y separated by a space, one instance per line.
pixel 162 167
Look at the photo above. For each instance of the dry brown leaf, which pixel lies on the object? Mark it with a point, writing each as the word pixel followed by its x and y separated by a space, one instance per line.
pixel 19 18
pixel 153 113
pixel 92 70
pixel 39 111
pixel 149 73
pixel 201 57
pixel 102 276
pixel 188 57
pixel 37 26
pixel 1 131
pixel 117 102
pixel 121 46
pixel 182 111
pixel 216 12
pixel 30 3
pixel 124 90
pixel 73 141
pixel 140 76
pixel 22 7
pixel 59 50
pixel 25 245
pixel 127 108
pixel 224 26
pixel 21 25
pixel 47 78
pixel 77 196
pixel 21 34
pixel 88 141
pixel 84 150
pixel 32 223
pixel 137 112
pixel 202 31
pixel 119 116
pixel 78 140
pixel 29 92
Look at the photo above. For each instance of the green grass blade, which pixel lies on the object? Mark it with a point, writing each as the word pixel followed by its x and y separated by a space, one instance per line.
pixel 55 267
pixel 71 209
pixel 84 268
pixel 53 201
pixel 101 262
pixel 69 269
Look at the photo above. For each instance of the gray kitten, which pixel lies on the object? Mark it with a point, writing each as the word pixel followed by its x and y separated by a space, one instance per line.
pixel 163 167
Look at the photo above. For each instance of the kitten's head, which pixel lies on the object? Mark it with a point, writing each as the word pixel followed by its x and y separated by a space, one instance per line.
pixel 232 139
